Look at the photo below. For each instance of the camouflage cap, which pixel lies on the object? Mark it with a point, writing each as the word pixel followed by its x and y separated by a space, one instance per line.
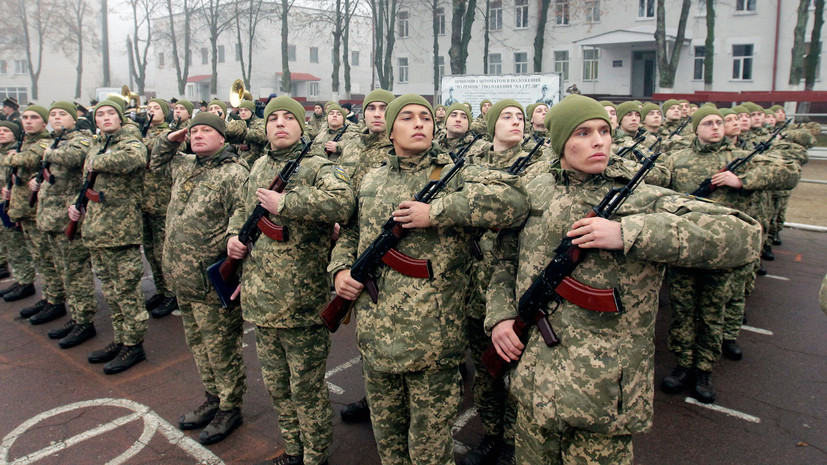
pixel 494 113
pixel 44 113
pixel 562 119
pixel 68 107
pixel 163 104
pixel 398 104
pixel 205 118
pixel 702 113
pixel 285 103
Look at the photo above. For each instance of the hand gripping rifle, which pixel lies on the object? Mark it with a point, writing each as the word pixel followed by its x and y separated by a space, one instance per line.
pixel 222 273
pixel 86 194
pixel 147 123
pixel 555 281
pixel 11 180
pixel 44 174
pixel 383 250
pixel 337 138
pixel 706 187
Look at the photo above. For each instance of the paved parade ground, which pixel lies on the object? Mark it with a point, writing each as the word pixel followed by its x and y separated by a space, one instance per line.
pixel 55 408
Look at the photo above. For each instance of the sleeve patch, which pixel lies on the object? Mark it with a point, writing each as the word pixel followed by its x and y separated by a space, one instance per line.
pixel 85 142
pixel 44 145
pixel 340 174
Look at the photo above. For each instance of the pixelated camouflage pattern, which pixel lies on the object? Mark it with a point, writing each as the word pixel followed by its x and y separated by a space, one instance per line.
pixel 314 125
pixel 453 145
pixel 27 162
pixel 253 146
pixel 66 166
pixel 328 135
pixel 74 267
pixel 51 276
pixel 363 153
pixel 14 243
pixel 120 270
pixel 479 125
pixel 154 233
pixel 735 307
pixel 284 283
pixel 238 133
pixel 157 183
pixel 496 408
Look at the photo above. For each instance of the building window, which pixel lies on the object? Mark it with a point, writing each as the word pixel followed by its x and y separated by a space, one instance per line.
pixel 593 11
pixel 561 12
pixel 161 59
pixel 440 64
pixel 440 21
pixel 314 54
pixel 744 5
pixel 521 14
pixel 495 15
pixel 354 58
pixel 402 17
pixel 521 63
pixel 561 63
pixel 221 54
pixel 742 62
pixel 590 56
pixel 291 53
pixel 495 63
pixel 314 89
pixel 21 94
pixel 20 67
pixel 4 67
pixel 205 56
pixel 700 53
pixel 238 51
pixel 403 69
pixel 646 9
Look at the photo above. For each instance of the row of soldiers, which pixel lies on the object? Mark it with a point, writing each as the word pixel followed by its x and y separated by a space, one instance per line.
pixel 583 398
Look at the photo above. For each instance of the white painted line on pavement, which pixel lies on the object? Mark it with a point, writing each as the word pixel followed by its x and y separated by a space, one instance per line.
pixel 814 181
pixel 462 419
pixel 805 227
pixel 780 278
pixel 753 329
pixel 334 388
pixel 724 410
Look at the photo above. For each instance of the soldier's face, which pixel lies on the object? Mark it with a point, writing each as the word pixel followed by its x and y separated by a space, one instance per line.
pixel 457 124
pixel 440 113
pixel 630 122
pixel 156 111
pixel 205 141
pixel 612 115
pixel 757 118
pixel 673 113
pixel 745 120
pixel 7 110
pixel 509 128
pixel 283 129
pixel 684 109
pixel 770 120
pixel 780 115
pixel 485 107
pixel 653 119
pixel 32 122
pixel 317 109
pixel 587 149
pixel 61 119
pixel 245 113
pixel 692 110
pixel 732 126
pixel 216 110
pixel 710 129
pixel 180 111
pixel 107 119
pixel 539 116
pixel 413 130
pixel 375 117
pixel 6 135
pixel 335 119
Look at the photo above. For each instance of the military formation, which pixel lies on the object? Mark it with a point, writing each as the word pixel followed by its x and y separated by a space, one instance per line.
pixel 434 228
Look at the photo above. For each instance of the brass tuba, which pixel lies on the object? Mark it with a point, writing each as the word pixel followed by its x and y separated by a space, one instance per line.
pixel 132 99
pixel 237 93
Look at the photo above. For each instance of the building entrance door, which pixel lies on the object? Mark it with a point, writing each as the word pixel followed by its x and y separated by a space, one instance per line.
pixel 643 73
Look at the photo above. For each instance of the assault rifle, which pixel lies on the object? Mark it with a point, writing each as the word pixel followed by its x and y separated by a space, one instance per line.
pixel 383 250
pixel 679 128
pixel 146 125
pixel 555 281
pixel 706 187
pixel 86 194
pixel 44 174
pixel 11 180
pixel 337 138
pixel 222 273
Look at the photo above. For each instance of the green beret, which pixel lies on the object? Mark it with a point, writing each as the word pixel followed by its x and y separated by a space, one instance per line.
pixel 163 104
pixel 220 104
pixel 484 101
pixel 740 109
pixel 13 126
pixel 187 104
pixel 44 113
pixel 563 118
pixel 113 104
pixel 669 104
pixel 68 107
pixel 726 112
pixel 460 107
pixel 702 113
pixel 607 103
pixel 398 104
pixel 248 104
pixel 377 95
pixel 647 107
pixel 205 118
pixel 625 108
pixel 285 103
pixel 494 113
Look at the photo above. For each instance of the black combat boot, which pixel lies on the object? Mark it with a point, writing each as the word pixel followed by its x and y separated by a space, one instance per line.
pixel 357 412
pixel 777 240
pixel 106 354
pixel 126 359
pixel 60 333
pixel 22 291
pixel 167 306
pixel 50 313
pixel 6 290
pixel 731 350
pixel 767 254
pixel 153 302
pixel 675 382
pixel 703 387
pixel 486 452
pixel 507 455
pixel 4 271
pixel 287 459
pixel 80 333
pixel 762 271
pixel 224 423
pixel 28 312
pixel 201 416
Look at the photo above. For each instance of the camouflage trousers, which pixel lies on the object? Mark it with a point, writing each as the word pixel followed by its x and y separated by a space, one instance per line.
pixel 213 335
pixel 51 277
pixel 556 444
pixel 154 234
pixel 496 408
pixel 75 267
pixel 779 202
pixel 293 368
pixel 734 313
pixel 18 253
pixel 698 301
pixel 412 414
pixel 120 270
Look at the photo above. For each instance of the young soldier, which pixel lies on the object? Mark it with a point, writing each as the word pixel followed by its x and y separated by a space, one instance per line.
pixel 317 120
pixel 205 193
pixel 684 108
pixel 251 149
pixel 18 250
pixel 72 258
pixel 456 134
pixel 479 125
pixel 536 114
pixel 323 144
pixel 284 283
pixel 112 231
pixel 582 400
pixel 412 340
pixel 439 116
pixel 611 109
pixel 10 107
pixel 218 108
pixel 181 114
pixel 628 117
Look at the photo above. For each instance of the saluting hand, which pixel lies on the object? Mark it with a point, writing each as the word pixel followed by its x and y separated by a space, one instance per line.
pixel 596 233
pixel 505 341
pixel 178 136
pixel 413 214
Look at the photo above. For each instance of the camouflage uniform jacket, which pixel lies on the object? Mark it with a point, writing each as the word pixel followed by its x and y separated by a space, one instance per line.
pixel 158 182
pixel 599 378
pixel 116 221
pixel 238 133
pixel 66 166
pixel 205 194
pixel 314 125
pixel 27 162
pixel 450 145
pixel 329 135
pixel 418 324
pixel 480 126
pixel 284 283
pixel 363 153
pixel 669 126
pixel 251 149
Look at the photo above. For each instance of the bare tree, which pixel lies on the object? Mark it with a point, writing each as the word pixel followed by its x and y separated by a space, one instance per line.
pixel 286 82
pixel 434 4
pixel 247 19
pixel 709 45
pixel 486 37
pixel 73 32
pixel 337 44
pixel 462 19
pixel 540 35
pixel 814 52
pixel 142 12
pixel 217 18
pixel 797 63
pixel 31 21
pixel 668 65
pixel 180 29
pixel 350 9
pixel 383 14
pixel 105 41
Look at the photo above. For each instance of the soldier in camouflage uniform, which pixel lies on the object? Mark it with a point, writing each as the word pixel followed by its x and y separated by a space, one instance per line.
pixel 112 232
pixel 582 400
pixel 323 144
pixel 284 282
pixel 479 125
pixel 317 120
pixel 250 150
pixel 27 162
pixel 72 259
pixel 456 134
pixel 205 193
pixel 440 113
pixel 611 109
pixel 535 116
pixel 181 114
pixel 628 118
pixel 14 241
pixel 412 340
